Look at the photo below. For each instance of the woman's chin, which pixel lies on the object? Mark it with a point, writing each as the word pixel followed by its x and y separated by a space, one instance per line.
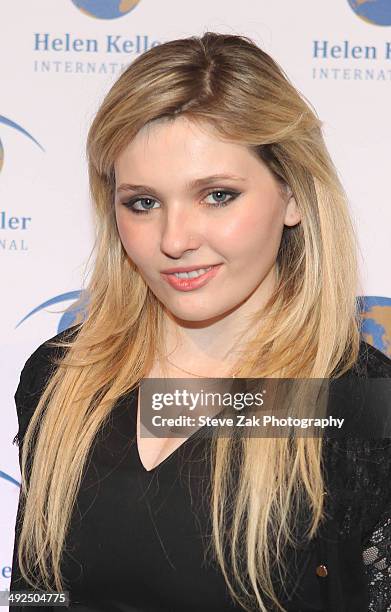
pixel 196 315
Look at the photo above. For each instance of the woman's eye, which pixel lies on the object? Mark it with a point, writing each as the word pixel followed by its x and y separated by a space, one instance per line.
pixel 147 201
pixel 145 205
pixel 220 194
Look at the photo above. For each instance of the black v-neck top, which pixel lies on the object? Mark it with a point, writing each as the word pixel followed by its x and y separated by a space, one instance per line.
pixel 138 540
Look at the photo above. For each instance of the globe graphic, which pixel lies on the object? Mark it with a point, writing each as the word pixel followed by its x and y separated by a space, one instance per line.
pixel 105 9
pixel 377 12
pixel 376 322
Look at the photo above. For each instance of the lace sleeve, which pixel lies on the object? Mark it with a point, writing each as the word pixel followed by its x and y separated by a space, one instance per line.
pixel 374 485
pixel 377 565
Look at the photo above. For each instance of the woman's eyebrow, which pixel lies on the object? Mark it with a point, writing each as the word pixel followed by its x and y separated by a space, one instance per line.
pixel 191 185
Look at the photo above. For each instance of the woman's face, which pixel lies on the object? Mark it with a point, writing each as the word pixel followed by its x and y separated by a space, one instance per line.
pixel 189 218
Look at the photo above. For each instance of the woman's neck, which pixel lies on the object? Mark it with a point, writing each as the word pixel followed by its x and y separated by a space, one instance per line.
pixel 211 350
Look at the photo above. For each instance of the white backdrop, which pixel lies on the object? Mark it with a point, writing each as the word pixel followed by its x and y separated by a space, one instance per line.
pixel 57 61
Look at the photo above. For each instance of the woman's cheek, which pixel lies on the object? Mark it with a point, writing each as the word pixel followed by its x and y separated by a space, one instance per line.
pixel 131 237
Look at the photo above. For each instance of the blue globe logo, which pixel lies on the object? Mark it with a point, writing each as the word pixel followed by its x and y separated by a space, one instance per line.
pixel 376 322
pixel 105 9
pixel 9 123
pixel 70 315
pixel 376 12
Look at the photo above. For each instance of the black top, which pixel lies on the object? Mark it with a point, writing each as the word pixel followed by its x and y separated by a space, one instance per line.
pixel 138 539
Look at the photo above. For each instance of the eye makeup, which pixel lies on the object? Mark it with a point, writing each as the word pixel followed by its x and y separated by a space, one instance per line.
pixel 130 204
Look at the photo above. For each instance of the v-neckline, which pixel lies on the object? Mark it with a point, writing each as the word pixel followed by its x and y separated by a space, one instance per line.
pixel 172 454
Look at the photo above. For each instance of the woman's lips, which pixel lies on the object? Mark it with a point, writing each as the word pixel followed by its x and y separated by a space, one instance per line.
pixel 188 284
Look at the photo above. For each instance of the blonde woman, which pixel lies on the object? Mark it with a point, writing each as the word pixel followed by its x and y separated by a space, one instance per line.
pixel 204 156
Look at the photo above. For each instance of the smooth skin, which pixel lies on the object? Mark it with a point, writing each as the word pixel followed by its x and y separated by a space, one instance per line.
pixel 186 225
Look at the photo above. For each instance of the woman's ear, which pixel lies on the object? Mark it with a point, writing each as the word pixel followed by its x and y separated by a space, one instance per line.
pixel 292 213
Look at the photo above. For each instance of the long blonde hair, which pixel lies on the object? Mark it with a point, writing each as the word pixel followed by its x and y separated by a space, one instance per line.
pixel 312 329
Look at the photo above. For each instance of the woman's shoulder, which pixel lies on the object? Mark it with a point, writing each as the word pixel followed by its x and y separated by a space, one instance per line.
pixel 371 362
pixel 48 349
pixel 34 375
pixel 41 362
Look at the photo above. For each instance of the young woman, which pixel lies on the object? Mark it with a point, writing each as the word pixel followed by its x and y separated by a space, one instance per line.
pixel 203 155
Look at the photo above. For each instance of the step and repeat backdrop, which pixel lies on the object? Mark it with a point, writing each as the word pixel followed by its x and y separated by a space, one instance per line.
pixel 59 58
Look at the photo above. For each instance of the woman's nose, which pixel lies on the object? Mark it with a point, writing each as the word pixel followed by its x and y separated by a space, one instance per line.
pixel 181 231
